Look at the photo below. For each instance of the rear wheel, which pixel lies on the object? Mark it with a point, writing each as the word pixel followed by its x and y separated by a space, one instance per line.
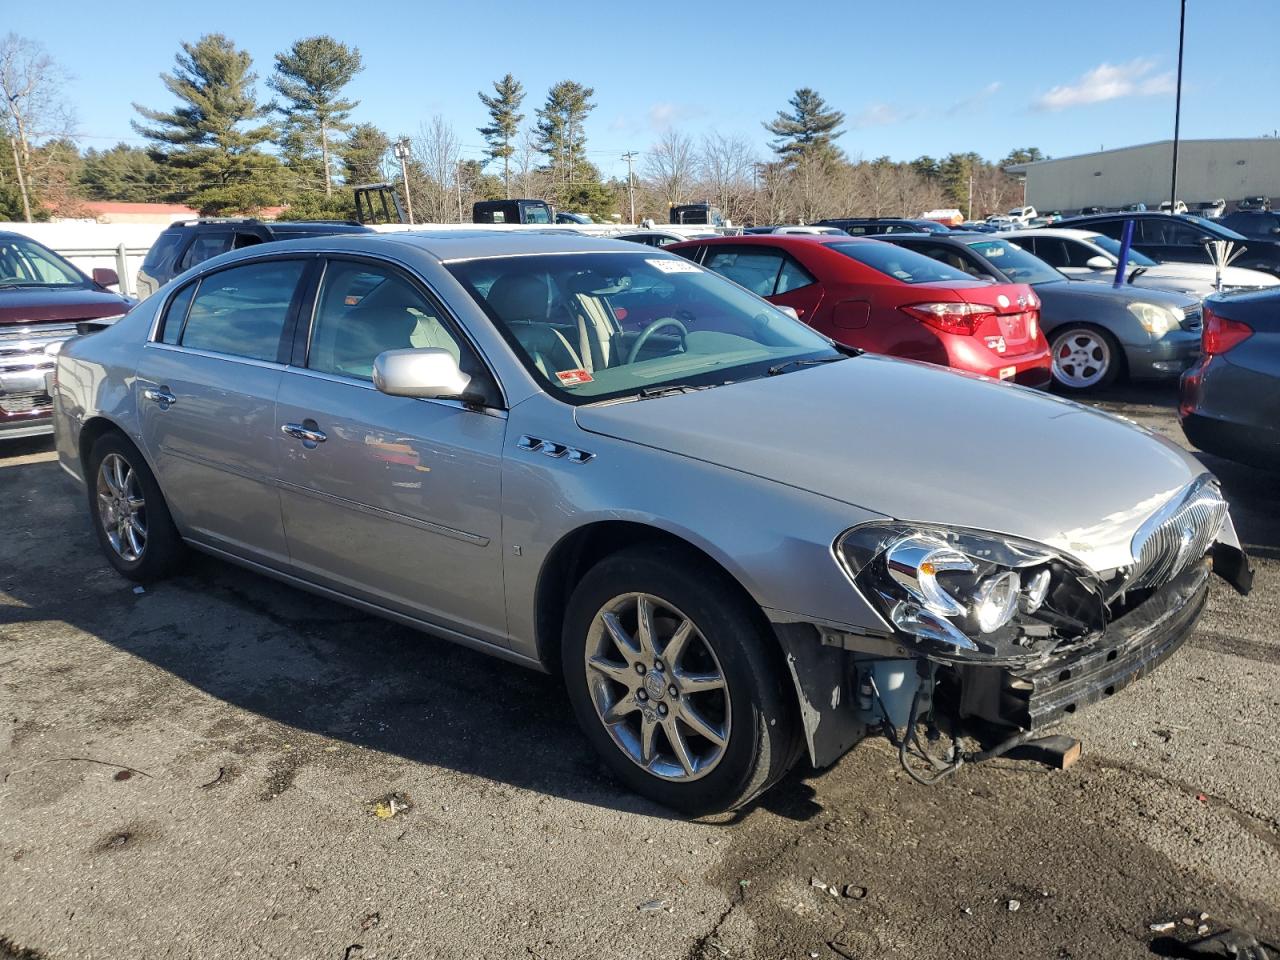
pixel 1085 358
pixel 676 683
pixel 130 516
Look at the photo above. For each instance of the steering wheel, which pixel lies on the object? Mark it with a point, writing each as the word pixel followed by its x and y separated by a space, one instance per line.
pixel 651 329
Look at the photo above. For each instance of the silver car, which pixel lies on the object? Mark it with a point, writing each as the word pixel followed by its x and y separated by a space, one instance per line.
pixel 737 541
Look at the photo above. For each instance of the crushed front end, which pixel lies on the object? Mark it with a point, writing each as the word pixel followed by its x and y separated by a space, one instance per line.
pixel 992 639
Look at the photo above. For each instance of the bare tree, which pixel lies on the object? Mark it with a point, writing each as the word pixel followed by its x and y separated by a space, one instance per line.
pixel 725 167
pixel 33 108
pixel 670 167
pixel 436 155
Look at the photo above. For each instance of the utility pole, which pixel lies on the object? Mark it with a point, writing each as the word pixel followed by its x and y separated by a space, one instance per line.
pixel 629 156
pixel 401 151
pixel 970 216
pixel 1177 109
pixel 458 176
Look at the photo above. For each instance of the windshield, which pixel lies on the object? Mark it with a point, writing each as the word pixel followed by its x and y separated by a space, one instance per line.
pixel 1014 262
pixel 1113 247
pixel 599 326
pixel 24 263
pixel 898 262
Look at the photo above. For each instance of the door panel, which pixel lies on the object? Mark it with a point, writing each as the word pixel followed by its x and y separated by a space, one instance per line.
pixel 213 447
pixel 399 504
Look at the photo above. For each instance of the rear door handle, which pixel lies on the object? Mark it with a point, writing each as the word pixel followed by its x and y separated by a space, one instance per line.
pixel 301 432
pixel 161 396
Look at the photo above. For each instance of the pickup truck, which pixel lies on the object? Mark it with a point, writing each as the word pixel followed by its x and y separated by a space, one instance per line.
pixel 42 299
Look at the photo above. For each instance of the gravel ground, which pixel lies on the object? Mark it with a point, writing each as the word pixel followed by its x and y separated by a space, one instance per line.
pixel 206 768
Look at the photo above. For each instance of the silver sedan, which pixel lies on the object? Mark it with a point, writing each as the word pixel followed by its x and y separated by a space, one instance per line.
pixel 737 541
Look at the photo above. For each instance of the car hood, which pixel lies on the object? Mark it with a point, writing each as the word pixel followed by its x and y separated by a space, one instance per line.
pixel 917 442
pixel 20 305
pixel 1206 273
pixel 1103 292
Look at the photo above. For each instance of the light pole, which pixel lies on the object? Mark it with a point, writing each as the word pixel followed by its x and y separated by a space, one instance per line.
pixel 631 184
pixel 1177 109
pixel 401 151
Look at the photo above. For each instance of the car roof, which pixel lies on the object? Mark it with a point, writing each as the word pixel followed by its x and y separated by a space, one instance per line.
pixel 446 245
pixel 1064 232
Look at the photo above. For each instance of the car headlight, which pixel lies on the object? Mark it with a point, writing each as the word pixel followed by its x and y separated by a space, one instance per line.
pixel 969 596
pixel 1155 319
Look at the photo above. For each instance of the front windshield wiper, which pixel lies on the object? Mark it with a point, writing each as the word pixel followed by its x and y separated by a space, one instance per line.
pixel 786 365
pixel 648 393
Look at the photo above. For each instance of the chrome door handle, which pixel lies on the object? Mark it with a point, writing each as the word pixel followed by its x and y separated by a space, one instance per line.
pixel 300 432
pixel 161 396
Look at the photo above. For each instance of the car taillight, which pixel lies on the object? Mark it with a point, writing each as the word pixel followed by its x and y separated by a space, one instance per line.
pixel 1221 334
pixel 951 317
pixel 1033 324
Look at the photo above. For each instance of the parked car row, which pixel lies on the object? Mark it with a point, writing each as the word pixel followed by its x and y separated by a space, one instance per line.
pixel 736 541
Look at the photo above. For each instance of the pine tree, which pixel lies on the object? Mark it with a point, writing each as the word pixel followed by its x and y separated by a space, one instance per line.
pixel 560 133
pixel 211 139
pixel 505 117
pixel 122 172
pixel 363 153
pixel 311 77
pixel 806 131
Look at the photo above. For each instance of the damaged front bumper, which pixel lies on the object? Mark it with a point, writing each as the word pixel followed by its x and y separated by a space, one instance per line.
pixel 850 686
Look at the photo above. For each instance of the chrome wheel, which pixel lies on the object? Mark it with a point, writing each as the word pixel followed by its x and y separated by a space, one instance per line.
pixel 657 687
pixel 1081 358
pixel 122 509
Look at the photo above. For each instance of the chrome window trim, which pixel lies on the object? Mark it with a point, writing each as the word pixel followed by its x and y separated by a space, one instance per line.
pixel 498 412
pixel 214 355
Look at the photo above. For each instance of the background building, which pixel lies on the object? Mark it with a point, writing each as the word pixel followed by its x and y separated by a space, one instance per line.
pixel 1207 170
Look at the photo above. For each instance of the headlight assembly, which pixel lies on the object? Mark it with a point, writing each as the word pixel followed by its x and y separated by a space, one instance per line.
pixel 1155 319
pixel 969 596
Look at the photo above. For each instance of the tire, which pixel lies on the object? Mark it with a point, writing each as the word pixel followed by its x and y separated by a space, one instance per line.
pixel 753 710
pixel 141 542
pixel 1086 344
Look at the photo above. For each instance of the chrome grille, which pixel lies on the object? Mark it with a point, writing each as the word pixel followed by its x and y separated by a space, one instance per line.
pixel 12 403
pixel 1177 535
pixel 22 348
pixel 1192 317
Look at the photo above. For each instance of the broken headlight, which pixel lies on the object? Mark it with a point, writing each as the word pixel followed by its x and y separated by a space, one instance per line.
pixel 969 596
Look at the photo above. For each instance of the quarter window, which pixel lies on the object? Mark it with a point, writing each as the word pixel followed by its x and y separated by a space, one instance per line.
pixel 792 277
pixel 243 311
pixel 364 309
pixel 176 313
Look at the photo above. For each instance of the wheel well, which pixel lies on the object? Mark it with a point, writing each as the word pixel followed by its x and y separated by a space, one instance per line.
pixel 581 550
pixel 90 431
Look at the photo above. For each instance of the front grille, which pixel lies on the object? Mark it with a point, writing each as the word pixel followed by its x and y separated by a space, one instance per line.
pixel 18 403
pixel 22 348
pixel 1192 317
pixel 1177 535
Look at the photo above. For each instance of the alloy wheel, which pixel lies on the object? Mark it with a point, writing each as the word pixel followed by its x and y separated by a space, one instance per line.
pixel 1081 359
pixel 122 509
pixel 658 687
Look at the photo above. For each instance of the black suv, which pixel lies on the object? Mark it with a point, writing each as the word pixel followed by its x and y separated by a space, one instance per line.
pixel 1254 224
pixel 182 245
pixel 1181 238
pixel 872 226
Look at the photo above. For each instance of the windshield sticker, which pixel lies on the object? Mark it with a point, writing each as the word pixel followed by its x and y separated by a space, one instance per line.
pixel 674 266
pixel 572 378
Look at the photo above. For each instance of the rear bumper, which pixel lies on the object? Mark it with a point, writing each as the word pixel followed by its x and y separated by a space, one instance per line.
pixel 1034 697
pixel 1227 410
pixel 1029 369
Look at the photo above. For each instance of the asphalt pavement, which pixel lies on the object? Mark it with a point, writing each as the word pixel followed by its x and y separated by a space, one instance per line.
pixel 222 766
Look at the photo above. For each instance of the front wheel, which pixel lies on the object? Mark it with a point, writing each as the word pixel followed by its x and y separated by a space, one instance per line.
pixel 1085 358
pixel 676 682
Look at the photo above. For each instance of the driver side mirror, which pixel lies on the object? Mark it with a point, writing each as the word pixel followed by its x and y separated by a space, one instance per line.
pixel 789 311
pixel 1099 262
pixel 429 372
pixel 105 277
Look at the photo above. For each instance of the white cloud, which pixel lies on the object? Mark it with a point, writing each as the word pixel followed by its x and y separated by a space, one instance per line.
pixel 665 114
pixel 973 102
pixel 880 115
pixel 1108 81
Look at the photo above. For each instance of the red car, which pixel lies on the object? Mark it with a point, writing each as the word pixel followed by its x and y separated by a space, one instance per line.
pixel 889 300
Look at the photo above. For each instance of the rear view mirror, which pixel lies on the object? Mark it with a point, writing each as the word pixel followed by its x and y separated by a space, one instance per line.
pixel 1099 262
pixel 105 277
pixel 429 372
pixel 789 311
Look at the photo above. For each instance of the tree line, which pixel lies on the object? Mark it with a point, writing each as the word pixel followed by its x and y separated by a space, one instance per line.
pixel 223 149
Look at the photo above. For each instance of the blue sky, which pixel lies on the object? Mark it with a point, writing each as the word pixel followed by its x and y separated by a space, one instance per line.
pixel 917 77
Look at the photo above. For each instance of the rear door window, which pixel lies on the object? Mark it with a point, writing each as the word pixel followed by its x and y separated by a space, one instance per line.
pixel 244 311
pixel 755 268
pixel 176 313
pixel 208 244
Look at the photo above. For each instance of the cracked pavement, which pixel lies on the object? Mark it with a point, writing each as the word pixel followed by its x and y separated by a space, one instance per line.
pixel 196 770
